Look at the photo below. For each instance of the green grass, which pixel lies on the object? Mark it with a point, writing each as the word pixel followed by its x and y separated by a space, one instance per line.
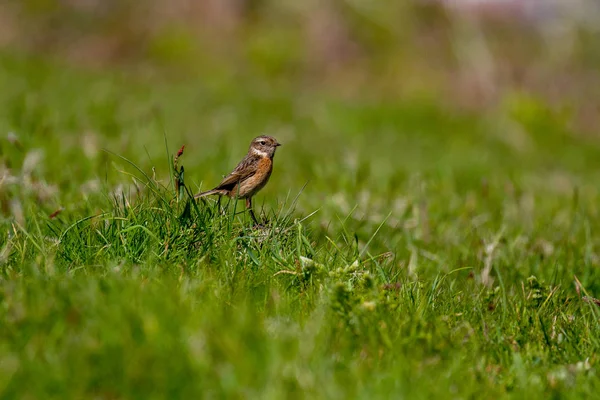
pixel 411 251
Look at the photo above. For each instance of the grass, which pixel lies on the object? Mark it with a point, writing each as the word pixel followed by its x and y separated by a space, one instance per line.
pixel 411 251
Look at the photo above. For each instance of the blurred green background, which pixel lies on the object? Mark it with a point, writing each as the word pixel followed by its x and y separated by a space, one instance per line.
pixel 463 54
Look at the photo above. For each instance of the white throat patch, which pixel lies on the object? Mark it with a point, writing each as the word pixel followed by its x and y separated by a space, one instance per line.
pixel 259 153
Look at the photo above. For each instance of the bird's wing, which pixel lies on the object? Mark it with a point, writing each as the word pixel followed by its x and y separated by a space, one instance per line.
pixel 245 169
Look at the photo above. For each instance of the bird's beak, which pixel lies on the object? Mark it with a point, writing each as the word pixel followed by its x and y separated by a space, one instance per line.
pixel 278 144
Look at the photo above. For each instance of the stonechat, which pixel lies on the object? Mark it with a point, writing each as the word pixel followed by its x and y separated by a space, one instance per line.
pixel 250 175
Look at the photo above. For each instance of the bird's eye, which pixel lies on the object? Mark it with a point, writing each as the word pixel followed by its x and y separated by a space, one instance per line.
pixel 263 142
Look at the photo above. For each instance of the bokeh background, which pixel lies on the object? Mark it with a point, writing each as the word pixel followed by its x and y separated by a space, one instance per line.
pixel 465 53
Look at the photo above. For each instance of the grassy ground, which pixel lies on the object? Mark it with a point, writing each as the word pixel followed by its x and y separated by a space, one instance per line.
pixel 410 251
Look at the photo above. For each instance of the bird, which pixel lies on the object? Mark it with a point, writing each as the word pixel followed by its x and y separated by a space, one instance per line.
pixel 250 175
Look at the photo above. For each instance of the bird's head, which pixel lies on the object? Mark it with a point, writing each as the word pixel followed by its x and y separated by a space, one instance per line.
pixel 264 146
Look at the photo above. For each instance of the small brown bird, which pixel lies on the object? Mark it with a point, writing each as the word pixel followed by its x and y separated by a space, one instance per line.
pixel 250 175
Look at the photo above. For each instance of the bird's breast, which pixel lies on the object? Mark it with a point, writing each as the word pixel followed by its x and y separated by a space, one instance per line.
pixel 249 187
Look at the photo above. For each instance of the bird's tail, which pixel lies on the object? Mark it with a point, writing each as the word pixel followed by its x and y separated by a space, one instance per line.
pixel 208 193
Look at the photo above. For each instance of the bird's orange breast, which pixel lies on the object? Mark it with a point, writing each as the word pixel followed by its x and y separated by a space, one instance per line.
pixel 250 186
